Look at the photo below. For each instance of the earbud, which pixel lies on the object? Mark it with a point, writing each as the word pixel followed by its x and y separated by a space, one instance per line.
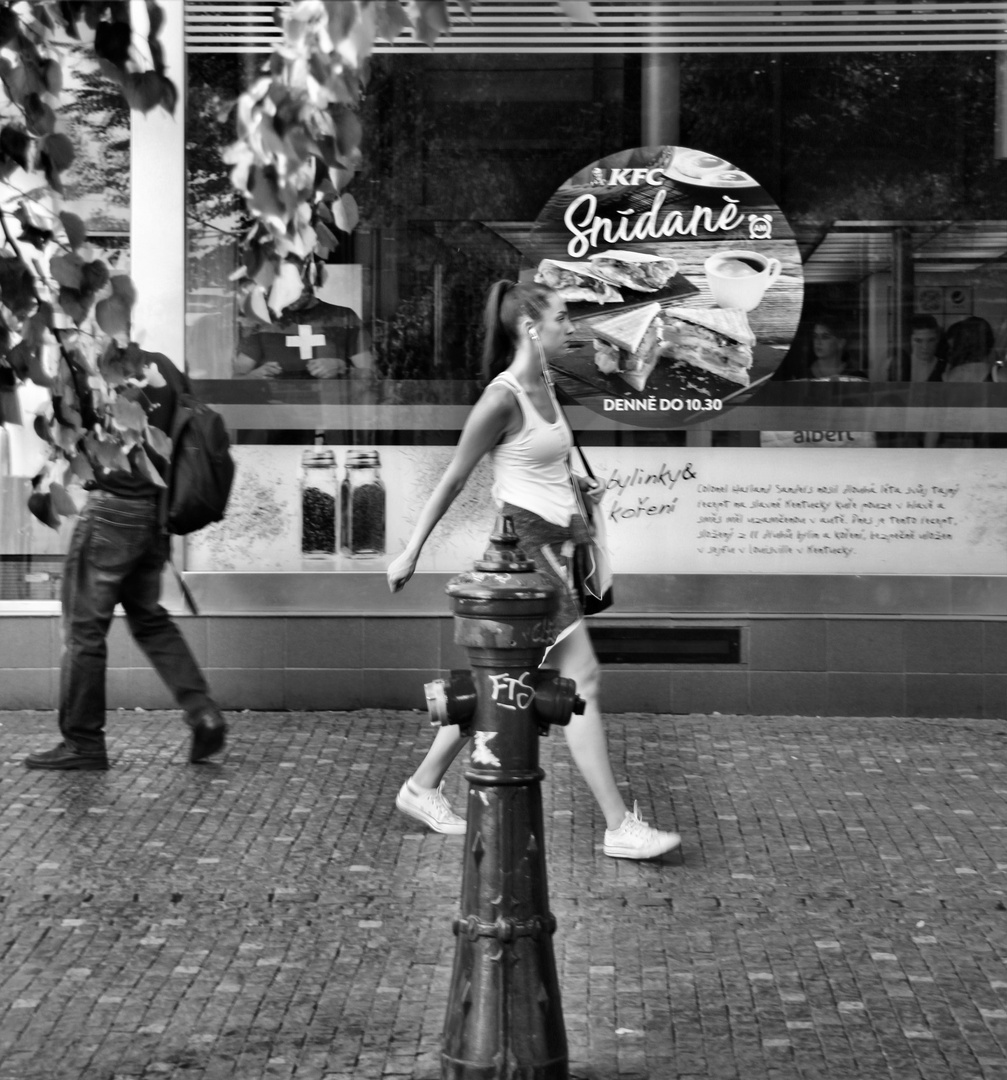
pixel 533 333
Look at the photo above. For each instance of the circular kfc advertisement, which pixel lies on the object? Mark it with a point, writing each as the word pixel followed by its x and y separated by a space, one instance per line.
pixel 682 279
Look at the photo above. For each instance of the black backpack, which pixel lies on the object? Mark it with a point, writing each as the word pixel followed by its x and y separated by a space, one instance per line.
pixel 201 471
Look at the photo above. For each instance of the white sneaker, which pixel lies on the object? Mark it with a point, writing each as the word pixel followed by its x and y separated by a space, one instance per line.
pixel 635 839
pixel 429 806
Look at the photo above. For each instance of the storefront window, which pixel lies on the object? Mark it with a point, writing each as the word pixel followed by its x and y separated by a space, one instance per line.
pixel 881 169
pixel 881 165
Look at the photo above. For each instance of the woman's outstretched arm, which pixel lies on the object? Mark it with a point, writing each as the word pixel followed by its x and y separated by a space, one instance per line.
pixel 492 416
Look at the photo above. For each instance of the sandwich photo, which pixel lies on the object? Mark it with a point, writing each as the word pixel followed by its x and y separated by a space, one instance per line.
pixel 635 269
pixel 718 340
pixel 714 339
pixel 577 281
pixel 628 344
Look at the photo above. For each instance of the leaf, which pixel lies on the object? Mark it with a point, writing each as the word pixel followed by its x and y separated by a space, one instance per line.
pixel 10 25
pixel 112 315
pixel 36 228
pixel 345 213
pixel 37 369
pixel 38 115
pixel 62 502
pixel 169 94
pixel 349 134
pixel 40 425
pixel 266 275
pixel 264 195
pixel 147 469
pixel 59 150
pixel 257 305
pixel 95 275
pixel 108 455
pixel 287 287
pixel 326 238
pixel 81 468
pixel 128 415
pixel 52 74
pixel 76 231
pixel 143 90
pixel 123 287
pixel 17 286
pixel 74 304
pixel 41 506
pixel 52 176
pixel 14 144
pixel 159 442
pixel 578 11
pixel 68 417
pixel 430 19
pixel 18 358
pixel 342 20
pixel 111 42
pixel 67 270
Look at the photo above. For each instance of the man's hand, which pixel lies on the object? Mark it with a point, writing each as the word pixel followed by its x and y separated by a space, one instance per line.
pixel 269 370
pixel 326 367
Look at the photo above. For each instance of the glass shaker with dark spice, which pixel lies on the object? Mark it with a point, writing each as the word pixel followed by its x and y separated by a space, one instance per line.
pixel 362 511
pixel 318 502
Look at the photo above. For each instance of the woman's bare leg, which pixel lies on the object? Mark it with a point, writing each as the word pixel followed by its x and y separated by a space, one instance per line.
pixel 574 657
pixel 437 760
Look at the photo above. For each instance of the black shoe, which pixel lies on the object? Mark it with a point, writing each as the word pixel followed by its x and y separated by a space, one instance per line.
pixel 208 733
pixel 65 757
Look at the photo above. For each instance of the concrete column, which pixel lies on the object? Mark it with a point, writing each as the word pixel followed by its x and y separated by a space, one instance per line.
pixel 157 203
pixel 661 99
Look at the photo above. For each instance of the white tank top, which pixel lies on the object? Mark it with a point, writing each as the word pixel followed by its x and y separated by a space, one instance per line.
pixel 531 469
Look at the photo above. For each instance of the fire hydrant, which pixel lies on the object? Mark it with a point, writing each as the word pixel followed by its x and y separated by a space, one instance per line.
pixel 504 1017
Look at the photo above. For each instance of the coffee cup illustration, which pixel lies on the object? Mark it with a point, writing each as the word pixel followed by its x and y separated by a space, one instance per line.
pixel 739 279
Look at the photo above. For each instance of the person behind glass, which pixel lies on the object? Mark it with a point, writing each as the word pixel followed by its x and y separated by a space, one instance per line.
pixel 924 347
pixel 311 339
pixel 926 342
pixel 969 354
pixel 518 422
pixel 116 554
pixel 831 360
pixel 969 357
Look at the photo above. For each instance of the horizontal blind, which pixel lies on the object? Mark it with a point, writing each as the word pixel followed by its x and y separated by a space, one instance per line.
pixel 652 26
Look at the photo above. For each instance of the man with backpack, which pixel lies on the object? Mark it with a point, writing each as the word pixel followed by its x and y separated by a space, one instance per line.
pixel 117 551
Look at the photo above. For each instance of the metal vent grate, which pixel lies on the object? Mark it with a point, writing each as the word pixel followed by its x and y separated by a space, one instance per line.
pixel 652 26
pixel 650 645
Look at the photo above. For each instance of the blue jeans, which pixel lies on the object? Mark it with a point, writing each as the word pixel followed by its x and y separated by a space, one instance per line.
pixel 116 555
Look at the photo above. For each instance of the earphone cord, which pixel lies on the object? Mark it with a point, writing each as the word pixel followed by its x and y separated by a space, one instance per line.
pixel 546 373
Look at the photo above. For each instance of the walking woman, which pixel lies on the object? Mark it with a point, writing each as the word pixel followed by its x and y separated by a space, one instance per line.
pixel 518 422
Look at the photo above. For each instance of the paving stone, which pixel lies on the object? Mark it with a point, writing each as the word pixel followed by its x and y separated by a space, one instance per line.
pixel 838 909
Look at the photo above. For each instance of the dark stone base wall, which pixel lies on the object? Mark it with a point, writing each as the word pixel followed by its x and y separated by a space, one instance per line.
pixel 789 666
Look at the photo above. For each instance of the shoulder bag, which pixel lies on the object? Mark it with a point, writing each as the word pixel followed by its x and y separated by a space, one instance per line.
pixel 592 564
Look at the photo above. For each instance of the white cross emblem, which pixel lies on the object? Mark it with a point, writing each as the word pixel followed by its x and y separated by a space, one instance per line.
pixel 304 339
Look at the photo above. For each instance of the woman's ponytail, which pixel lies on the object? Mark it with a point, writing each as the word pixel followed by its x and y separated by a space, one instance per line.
pixel 507 302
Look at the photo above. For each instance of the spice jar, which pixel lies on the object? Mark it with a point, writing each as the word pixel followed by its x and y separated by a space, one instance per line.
pixel 318 503
pixel 362 511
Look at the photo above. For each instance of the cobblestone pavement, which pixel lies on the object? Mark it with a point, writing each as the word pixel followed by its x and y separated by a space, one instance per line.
pixel 839 910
